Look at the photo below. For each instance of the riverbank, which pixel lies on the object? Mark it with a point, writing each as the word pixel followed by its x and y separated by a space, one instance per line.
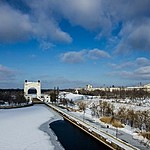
pixel 45 127
pixel 15 106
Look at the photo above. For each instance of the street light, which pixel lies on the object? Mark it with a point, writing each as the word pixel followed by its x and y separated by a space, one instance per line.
pixel 116 132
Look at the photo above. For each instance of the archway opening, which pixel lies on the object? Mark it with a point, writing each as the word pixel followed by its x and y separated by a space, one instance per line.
pixel 32 91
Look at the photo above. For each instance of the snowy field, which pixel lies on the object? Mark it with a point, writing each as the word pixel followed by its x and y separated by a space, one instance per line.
pixel 127 133
pixel 145 104
pixel 19 129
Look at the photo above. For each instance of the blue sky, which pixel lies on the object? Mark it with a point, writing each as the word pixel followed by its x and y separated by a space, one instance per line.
pixel 72 43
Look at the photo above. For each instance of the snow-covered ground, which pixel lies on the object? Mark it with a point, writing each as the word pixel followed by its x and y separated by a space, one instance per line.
pixel 145 104
pixel 19 129
pixel 71 96
pixel 125 133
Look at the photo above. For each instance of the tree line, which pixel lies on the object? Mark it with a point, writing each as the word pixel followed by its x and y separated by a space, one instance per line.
pixel 12 96
pixel 131 117
pixel 118 94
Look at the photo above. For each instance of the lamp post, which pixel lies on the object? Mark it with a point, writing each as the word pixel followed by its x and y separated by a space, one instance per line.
pixel 116 132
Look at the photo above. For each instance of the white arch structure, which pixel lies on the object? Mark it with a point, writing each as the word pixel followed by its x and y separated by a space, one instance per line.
pixel 35 85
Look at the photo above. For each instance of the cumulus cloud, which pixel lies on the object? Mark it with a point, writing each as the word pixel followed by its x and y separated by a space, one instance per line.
pixel 37 22
pixel 73 57
pixel 6 73
pixel 14 25
pixel 122 65
pixel 105 15
pixel 143 70
pixel 135 17
pixel 42 20
pixel 138 62
pixel 97 54
pixel 85 13
pixel 139 38
pixel 135 36
pixel 139 69
pixel 142 73
pixel 142 61
pixel 77 57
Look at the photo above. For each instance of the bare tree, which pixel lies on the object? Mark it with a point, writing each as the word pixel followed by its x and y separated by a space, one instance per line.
pixel 82 106
pixel 122 114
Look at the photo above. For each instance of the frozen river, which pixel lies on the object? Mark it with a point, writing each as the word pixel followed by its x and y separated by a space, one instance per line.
pixel 19 129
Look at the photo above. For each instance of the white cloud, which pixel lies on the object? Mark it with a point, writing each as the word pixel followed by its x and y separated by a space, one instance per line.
pixel 105 15
pixel 138 62
pixel 135 35
pixel 14 25
pixel 139 37
pixel 85 13
pixel 45 45
pixel 142 61
pixel 44 23
pixel 97 54
pixel 77 57
pixel 37 23
pixel 143 71
pixel 6 73
pixel 73 57
pixel 122 65
pixel 42 20
pixel 135 70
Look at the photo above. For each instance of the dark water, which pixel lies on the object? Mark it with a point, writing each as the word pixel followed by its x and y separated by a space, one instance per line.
pixel 72 138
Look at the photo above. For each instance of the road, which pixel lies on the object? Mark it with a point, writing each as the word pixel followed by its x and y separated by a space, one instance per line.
pixel 120 134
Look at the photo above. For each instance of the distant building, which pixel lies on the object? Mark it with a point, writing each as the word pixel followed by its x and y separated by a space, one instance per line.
pixel 147 87
pixel 89 87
